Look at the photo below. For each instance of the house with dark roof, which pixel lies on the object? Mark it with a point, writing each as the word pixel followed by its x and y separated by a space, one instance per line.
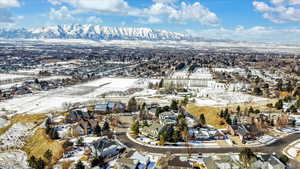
pixel 244 131
pixel 106 148
pixel 109 107
pixel 77 115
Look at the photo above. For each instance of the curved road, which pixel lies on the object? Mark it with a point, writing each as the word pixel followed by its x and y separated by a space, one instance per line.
pixel 276 147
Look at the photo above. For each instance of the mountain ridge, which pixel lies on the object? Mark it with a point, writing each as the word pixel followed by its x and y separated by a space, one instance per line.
pixel 94 32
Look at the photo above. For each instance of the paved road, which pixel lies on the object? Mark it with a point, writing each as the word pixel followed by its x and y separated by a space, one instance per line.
pixel 276 147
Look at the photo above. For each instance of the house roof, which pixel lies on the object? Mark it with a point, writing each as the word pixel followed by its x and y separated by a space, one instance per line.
pixel 141 158
pixel 101 107
pixel 126 161
pixel 242 131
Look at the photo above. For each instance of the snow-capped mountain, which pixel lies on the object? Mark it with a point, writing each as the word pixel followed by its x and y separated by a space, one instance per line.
pixel 92 32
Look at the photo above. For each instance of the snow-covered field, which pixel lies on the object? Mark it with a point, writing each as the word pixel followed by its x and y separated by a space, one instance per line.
pixel 10 76
pixel 54 77
pixel 15 136
pixel 225 98
pixel 53 100
pixel 13 160
pixel 3 122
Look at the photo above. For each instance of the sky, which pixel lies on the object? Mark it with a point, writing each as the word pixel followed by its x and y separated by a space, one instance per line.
pixel 243 20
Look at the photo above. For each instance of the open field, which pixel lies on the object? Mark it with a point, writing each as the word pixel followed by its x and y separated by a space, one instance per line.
pixel 36 119
pixel 210 113
pixel 53 100
pixel 39 143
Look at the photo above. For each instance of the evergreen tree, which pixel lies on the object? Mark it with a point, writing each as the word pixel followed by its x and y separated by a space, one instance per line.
pixel 228 119
pixel 32 162
pixel 238 109
pixel 132 105
pixel 185 101
pixel 246 157
pixel 279 104
pixel 279 85
pixel 174 105
pixel 79 165
pixel 257 111
pixel 222 114
pixel 80 141
pixel 97 161
pixel 106 126
pixel 257 91
pixel 135 128
pixel 175 136
pixel 202 120
pixel 98 130
pixel 251 110
pixel 161 83
pixel 158 111
pixel 289 86
pixel 162 138
pixel 48 155
pixel 41 164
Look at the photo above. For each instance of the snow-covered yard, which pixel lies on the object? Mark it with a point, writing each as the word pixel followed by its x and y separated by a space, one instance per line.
pixel 10 76
pixel 3 122
pixel 13 160
pixel 224 98
pixel 15 136
pixel 53 100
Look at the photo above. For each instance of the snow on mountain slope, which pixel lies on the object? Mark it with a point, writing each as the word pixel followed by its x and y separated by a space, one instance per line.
pixel 92 32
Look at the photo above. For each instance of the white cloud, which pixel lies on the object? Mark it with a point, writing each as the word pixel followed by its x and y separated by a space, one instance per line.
pixel 152 19
pixel 255 34
pixel 279 11
pixel 183 13
pixel 94 20
pixel 174 12
pixel 9 3
pixel 164 1
pixel 103 6
pixel 5 14
pixel 61 14
pixel 149 20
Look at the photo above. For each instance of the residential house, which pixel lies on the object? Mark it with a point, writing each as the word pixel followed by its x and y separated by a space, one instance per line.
pixel 88 126
pixel 233 162
pixel 126 163
pixel 77 115
pixel 109 107
pixel 141 159
pixel 106 148
pixel 244 131
pixel 170 162
pixel 152 131
pixel 207 134
pixel 168 118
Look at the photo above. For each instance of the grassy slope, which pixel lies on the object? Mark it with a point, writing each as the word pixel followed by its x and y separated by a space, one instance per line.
pixel 39 143
pixel 24 118
pixel 210 113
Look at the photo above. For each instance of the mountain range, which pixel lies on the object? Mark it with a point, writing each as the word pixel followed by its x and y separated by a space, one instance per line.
pixel 94 32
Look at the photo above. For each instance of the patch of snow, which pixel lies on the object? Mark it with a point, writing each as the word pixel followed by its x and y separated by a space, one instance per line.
pixel 13 160
pixel 15 136
pixel 3 122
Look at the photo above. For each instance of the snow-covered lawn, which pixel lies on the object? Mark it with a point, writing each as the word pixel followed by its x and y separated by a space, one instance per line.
pixel 9 85
pixel 54 77
pixel 15 136
pixel 3 122
pixel 292 152
pixel 224 98
pixel 13 160
pixel 53 100
pixel 4 76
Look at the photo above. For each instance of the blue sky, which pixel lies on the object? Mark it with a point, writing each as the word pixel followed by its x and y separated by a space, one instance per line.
pixel 249 20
